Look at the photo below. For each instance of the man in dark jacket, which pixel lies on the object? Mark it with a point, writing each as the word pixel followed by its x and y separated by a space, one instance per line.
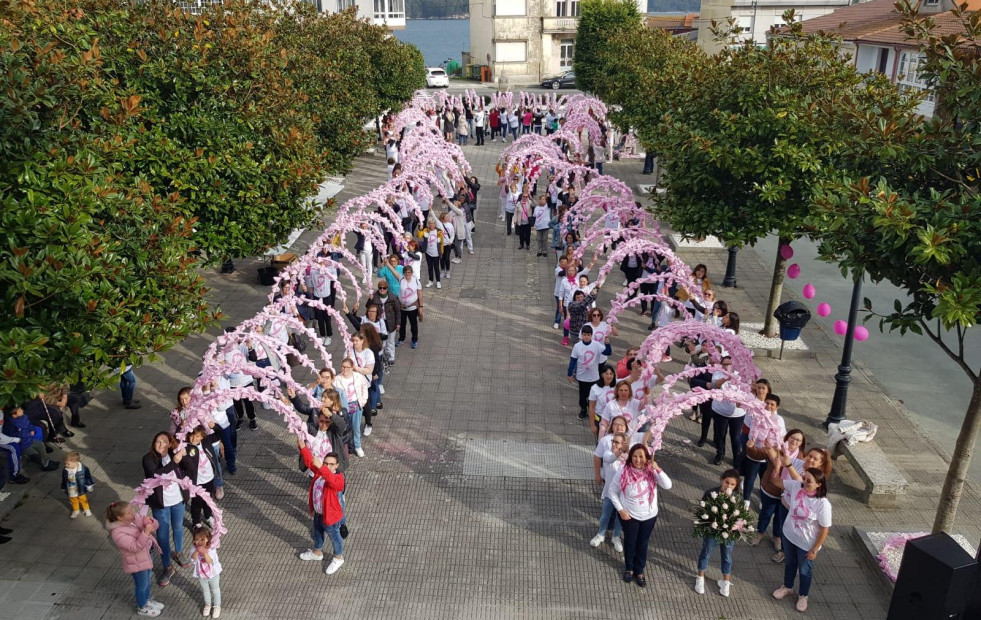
pixel 392 315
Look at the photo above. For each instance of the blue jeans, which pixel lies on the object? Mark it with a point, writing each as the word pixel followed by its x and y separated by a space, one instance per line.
pixel 751 471
pixel 127 385
pixel 636 537
pixel 708 546
pixel 795 560
pixel 462 140
pixel 142 581
pixel 229 439
pixel 769 509
pixel 514 132
pixel 609 512
pixel 170 518
pixel 321 532
pixel 558 312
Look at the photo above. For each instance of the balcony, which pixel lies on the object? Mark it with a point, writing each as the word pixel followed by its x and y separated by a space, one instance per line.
pixel 560 25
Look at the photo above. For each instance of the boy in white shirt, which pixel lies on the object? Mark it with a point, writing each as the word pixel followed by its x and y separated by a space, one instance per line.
pixel 584 364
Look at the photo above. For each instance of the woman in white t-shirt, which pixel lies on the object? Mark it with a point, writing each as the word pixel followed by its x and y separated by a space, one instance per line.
pixel 623 404
pixel 602 331
pixel 167 501
pixel 449 239
pixel 434 248
pixel 354 387
pixel 804 530
pixel 410 294
pixel 613 461
pixel 600 395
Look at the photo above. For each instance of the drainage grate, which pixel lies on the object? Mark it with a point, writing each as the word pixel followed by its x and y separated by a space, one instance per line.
pixel 483 457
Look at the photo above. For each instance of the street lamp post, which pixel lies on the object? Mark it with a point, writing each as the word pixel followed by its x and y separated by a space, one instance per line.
pixel 730 279
pixel 844 376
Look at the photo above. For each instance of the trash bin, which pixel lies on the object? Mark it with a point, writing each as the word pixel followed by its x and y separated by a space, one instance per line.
pixel 793 316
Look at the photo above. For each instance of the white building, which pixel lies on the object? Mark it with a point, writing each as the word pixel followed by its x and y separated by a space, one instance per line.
pixel 389 13
pixel 527 39
pixel 756 17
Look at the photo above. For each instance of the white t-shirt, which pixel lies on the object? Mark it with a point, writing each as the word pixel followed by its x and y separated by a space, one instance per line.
pixel 364 358
pixel 601 396
pixel 611 220
pixel 611 466
pixel 171 490
pixel 559 279
pixel 603 446
pixel 432 242
pixel 588 358
pixel 638 391
pixel 206 473
pixel 542 217
pixel 805 516
pixel 613 409
pixel 409 295
pixel 723 407
pixel 478 118
pixel 569 289
pixel 601 331
pixel 449 233
pixel 635 499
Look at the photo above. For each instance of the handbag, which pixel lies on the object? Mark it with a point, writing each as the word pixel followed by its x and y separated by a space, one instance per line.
pixel 297 343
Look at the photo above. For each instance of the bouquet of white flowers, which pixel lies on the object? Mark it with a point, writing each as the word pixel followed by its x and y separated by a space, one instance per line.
pixel 723 517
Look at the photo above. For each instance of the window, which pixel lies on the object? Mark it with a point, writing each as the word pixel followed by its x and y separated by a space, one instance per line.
pixel 512 8
pixel 931 2
pixel 343 5
pixel 511 51
pixel 745 24
pixel 567 8
pixel 196 6
pixel 387 9
pixel 567 50
pixel 909 77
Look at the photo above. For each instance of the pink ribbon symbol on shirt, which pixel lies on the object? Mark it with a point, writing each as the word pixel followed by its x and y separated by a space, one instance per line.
pixel 587 359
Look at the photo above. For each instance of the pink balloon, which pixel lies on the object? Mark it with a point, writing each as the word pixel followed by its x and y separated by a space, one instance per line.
pixel 793 271
pixel 841 327
pixel 861 333
pixel 809 291
pixel 786 252
pixel 824 309
pixel 565 324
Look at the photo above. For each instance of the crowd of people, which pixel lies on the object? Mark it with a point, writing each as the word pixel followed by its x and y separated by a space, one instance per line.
pixel 792 494
pixel 431 219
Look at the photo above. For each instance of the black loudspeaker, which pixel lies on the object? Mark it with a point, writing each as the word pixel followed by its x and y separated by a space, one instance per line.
pixel 974 609
pixel 936 580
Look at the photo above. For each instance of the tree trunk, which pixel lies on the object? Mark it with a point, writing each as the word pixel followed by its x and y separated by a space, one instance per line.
pixel 776 291
pixel 959 464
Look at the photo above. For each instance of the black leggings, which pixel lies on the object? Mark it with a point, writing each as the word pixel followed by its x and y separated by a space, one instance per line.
pixel 706 410
pixel 480 136
pixel 524 235
pixel 244 407
pixel 197 504
pixel 733 426
pixel 432 265
pixel 412 316
pixel 444 260
pixel 584 387
pixel 323 319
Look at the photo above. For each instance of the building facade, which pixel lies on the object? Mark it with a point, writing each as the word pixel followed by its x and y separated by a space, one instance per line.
pixel 757 17
pixel 525 39
pixel 388 13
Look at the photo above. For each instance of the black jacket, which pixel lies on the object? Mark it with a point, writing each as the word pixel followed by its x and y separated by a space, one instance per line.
pixel 152 466
pixel 339 431
pixel 393 310
pixel 192 458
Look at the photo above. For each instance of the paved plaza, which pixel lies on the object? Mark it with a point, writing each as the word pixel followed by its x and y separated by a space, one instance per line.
pixel 475 498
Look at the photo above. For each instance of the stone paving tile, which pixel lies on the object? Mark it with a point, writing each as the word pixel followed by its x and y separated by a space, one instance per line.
pixel 427 539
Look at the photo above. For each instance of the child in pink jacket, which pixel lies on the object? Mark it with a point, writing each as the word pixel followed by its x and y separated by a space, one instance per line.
pixel 133 536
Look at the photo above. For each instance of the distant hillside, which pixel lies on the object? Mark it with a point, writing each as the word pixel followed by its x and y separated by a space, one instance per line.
pixel 428 9
pixel 673 6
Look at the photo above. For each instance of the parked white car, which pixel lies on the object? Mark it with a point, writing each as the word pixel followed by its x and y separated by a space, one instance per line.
pixel 437 78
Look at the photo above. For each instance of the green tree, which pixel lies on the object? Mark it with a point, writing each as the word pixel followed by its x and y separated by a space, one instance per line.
pixel 742 154
pixel 600 23
pixel 913 217
pixel 95 270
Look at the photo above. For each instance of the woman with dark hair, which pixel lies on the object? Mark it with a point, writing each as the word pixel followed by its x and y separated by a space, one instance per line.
pixel 805 529
pixel 814 457
pixel 167 501
pixel 634 494
pixel 600 395
pixel 375 389
pixel 769 492
pixel 730 322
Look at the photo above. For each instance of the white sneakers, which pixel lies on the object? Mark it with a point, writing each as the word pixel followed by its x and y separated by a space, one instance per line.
pixel 216 612
pixel 87 512
pixel 801 603
pixel 597 540
pixel 700 584
pixel 457 260
pixel 206 611
pixel 782 592
pixel 326 341
pixel 335 564
pixel 75 514
pixel 149 612
pixel 429 284
pixel 155 604
pixel 555 325
pixel 310 556
pixel 617 544
pixel 439 284
pixel 367 431
pixel 359 452
pixel 724 587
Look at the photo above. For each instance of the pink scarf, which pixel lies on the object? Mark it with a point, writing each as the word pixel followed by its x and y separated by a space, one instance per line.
pixel 633 477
